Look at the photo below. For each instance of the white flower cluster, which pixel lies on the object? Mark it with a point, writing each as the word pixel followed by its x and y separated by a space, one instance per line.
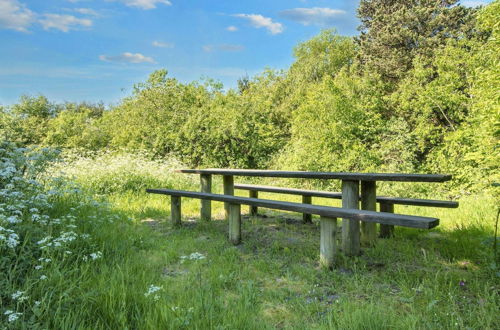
pixel 11 316
pixel 152 290
pixel 193 256
pixel 19 296
pixel 8 236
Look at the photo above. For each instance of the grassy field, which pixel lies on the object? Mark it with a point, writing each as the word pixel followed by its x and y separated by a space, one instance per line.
pixel 128 268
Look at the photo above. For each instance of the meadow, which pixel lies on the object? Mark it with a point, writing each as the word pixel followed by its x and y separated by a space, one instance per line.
pixel 101 254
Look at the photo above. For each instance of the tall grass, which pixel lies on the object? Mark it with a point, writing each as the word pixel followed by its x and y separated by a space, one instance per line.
pixel 127 268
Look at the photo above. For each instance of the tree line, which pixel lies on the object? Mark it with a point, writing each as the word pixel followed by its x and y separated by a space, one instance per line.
pixel 415 91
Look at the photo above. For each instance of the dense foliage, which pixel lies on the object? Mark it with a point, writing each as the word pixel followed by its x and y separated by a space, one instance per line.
pixel 415 92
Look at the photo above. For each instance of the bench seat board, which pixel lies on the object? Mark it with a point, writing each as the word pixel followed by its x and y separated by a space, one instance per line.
pixel 338 195
pixel 326 211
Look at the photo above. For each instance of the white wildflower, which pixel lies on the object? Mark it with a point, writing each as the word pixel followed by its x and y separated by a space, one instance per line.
pixel 193 256
pixel 96 255
pixel 153 289
pixel 43 277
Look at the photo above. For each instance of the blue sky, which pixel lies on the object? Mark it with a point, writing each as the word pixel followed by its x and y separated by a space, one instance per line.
pixel 96 50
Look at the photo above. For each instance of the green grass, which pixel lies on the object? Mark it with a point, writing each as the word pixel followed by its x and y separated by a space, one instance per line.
pixel 443 278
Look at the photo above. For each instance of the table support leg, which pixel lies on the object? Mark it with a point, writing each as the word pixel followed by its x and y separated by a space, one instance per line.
pixel 235 223
pixel 228 190
pixel 369 203
pixel 328 242
pixel 206 205
pixel 386 231
pixel 306 217
pixel 253 209
pixel 350 228
pixel 175 210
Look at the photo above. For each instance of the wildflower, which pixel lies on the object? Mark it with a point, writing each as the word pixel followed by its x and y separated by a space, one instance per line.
pixel 37 303
pixel 12 316
pixel 153 289
pixel 38 267
pixel 19 296
pixel 193 256
pixel 96 255
pixel 43 277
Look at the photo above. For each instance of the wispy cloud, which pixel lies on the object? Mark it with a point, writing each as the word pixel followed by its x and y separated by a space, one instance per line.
pixel 127 58
pixel 144 4
pixel 232 28
pixel 259 21
pixel 223 48
pixel 162 44
pixel 85 11
pixel 15 16
pixel 313 16
pixel 64 22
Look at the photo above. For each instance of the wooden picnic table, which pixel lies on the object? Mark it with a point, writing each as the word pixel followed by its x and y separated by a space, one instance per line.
pixel 351 184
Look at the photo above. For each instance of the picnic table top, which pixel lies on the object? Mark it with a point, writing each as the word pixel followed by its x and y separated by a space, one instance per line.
pixel 324 175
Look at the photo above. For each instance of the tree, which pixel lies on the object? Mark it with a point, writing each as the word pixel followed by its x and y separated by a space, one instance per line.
pixel 394 32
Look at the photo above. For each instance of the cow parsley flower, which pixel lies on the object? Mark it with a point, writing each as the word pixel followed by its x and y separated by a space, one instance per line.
pixel 153 289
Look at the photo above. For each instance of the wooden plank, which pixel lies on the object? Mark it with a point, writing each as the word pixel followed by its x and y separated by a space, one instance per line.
pixel 288 191
pixel 417 202
pixel 328 242
pixel 254 210
pixel 368 202
pixel 306 217
pixel 175 210
pixel 350 226
pixel 386 231
pixel 234 223
pixel 338 195
pixel 333 212
pixel 228 182
pixel 206 205
pixel 406 177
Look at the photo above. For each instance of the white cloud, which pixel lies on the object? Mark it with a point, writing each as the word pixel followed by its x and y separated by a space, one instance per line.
pixel 145 4
pixel 472 3
pixel 162 44
pixel 85 11
pixel 259 21
pixel 223 48
pixel 15 16
pixel 232 28
pixel 313 16
pixel 63 22
pixel 127 58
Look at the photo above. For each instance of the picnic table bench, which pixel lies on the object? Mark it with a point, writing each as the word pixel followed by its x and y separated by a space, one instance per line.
pixel 328 220
pixel 386 203
pixel 353 232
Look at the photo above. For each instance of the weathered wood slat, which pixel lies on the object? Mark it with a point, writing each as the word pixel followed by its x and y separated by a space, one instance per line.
pixel 350 226
pixel 175 210
pixel 325 175
pixel 328 242
pixel 307 217
pixel 235 223
pixel 386 231
pixel 228 182
pixel 368 202
pixel 338 195
pixel 254 210
pixel 206 205
pixel 333 212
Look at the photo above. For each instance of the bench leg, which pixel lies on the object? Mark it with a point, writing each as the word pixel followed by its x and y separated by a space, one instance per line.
pixel 206 205
pixel 386 231
pixel 253 209
pixel 328 243
pixel 175 210
pixel 306 218
pixel 235 223
pixel 228 190
pixel 369 203
pixel 350 228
